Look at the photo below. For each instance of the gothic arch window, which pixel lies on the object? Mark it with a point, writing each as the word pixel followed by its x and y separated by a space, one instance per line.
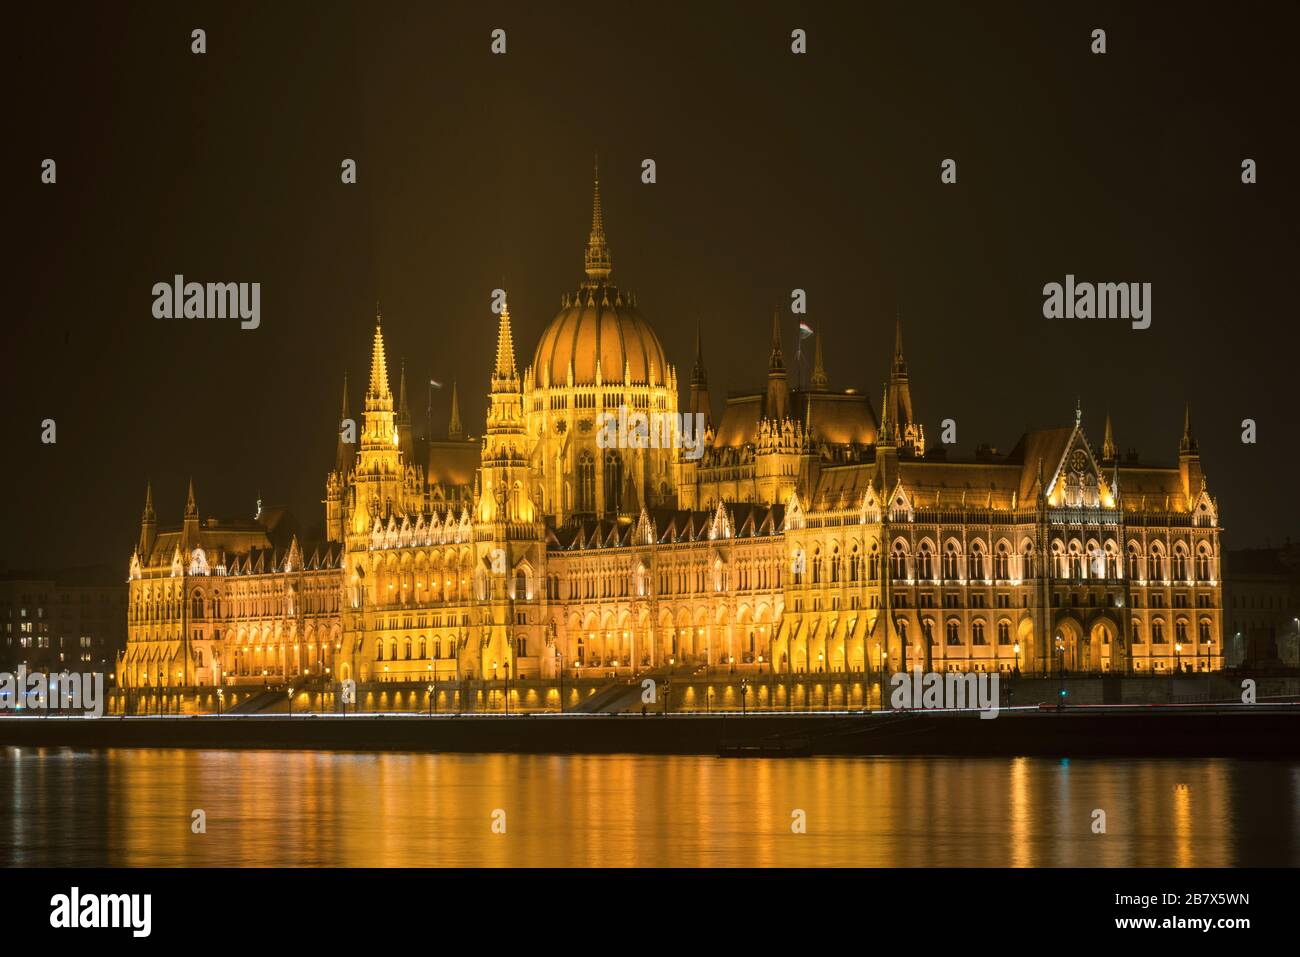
pixel 927 629
pixel 873 563
pixel 1203 566
pixel 424 650
pixel 196 604
pixel 1002 562
pixel 1155 564
pixel 1180 562
pixel 1112 560
pixel 977 562
pixel 613 480
pixel 898 561
pixel 817 565
pixel 1075 567
pixel 1027 562
pixel 977 633
pixel 925 563
pixel 951 562
pixel 407 650
pixel 1004 632
pixel 952 632
pixel 855 565
pixel 835 564
pixel 586 482
pixel 1134 562
pixel 379 650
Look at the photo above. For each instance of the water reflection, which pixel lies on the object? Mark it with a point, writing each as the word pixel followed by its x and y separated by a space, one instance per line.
pixel 304 808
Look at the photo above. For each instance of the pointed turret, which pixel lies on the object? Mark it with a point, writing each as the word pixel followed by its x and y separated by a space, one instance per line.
pixel 1188 443
pixel 190 527
pixel 378 364
pixel 1189 459
pixel 505 371
pixel 402 420
pixel 700 381
pixel 820 383
pixel 597 259
pixel 454 430
pixel 148 525
pixel 1108 450
pixel 191 509
pixel 778 386
pixel 346 452
pixel 908 434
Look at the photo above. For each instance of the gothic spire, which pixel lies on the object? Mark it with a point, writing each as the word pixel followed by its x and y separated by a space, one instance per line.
pixel 820 383
pixel 454 430
pixel 191 509
pixel 346 451
pixel 505 367
pixel 777 360
pixel 1108 442
pixel 378 363
pixel 597 259
pixel 148 515
pixel 1188 444
pixel 899 364
pixel 402 406
pixel 698 375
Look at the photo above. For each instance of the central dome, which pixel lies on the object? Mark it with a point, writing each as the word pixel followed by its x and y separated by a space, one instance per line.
pixel 598 325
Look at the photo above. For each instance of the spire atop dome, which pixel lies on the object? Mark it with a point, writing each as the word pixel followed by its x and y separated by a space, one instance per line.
pixel 378 362
pixel 597 259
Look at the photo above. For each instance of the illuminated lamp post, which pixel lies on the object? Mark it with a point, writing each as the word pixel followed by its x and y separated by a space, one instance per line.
pixel 290 695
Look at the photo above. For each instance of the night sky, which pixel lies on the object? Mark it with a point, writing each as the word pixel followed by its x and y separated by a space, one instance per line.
pixel 775 171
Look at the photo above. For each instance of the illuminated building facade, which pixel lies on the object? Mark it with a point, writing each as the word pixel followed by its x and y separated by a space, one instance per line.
pixel 812 535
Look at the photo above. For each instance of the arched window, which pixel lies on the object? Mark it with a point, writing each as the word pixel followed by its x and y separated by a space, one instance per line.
pixel 586 482
pixel 1134 563
pixel 407 649
pixel 835 565
pixel 1004 633
pixel 977 633
pixel 1180 563
pixel 521 585
pixel 927 629
pixel 1027 562
pixel 873 563
pixel 952 633
pixel 898 561
pixel 977 562
pixel 1154 565
pixel 613 480
pixel 925 561
pixel 1002 562
pixel 1157 632
pixel 196 604
pixel 855 565
pixel 1203 563
pixel 424 650
pixel 951 563
pixel 379 650
pixel 1203 632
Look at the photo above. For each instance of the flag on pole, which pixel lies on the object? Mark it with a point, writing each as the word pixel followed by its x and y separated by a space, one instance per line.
pixel 805 330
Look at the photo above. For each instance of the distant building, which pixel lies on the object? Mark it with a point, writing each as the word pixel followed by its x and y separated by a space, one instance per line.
pixel 811 535
pixel 1262 604
pixel 73 620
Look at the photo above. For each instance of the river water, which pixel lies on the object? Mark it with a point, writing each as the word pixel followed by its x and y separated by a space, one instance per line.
pixel 123 807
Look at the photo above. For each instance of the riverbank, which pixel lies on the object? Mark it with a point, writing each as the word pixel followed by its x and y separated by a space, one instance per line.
pixel 1259 731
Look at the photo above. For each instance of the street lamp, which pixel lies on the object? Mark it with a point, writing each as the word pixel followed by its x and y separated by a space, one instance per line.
pixel 559 658
pixel 744 693
pixel 221 700
pixel 291 702
pixel 430 700
pixel 1178 650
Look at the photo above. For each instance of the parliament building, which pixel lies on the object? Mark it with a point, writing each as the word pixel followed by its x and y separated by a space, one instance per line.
pixel 815 534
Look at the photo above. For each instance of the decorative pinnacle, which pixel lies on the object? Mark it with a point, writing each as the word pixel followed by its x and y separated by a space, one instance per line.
pixel 597 259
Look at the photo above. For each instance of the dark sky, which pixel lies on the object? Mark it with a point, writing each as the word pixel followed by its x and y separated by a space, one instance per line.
pixel 775 171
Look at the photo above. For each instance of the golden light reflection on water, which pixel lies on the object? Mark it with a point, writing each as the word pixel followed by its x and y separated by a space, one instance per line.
pixel 303 808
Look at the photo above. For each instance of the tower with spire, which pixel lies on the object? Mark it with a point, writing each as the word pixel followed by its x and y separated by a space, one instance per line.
pixel 909 435
pixel 700 382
